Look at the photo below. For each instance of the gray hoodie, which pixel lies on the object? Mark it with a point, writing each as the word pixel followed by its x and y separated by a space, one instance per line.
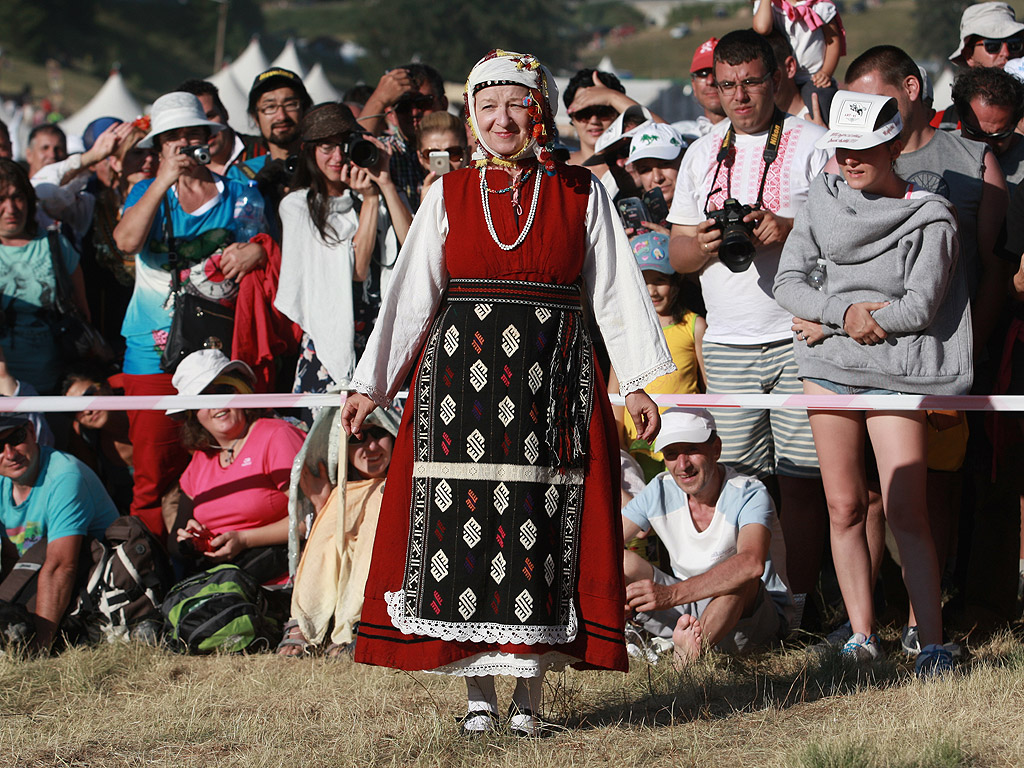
pixel 880 249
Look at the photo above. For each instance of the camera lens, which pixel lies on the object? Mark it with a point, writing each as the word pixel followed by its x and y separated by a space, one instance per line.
pixel 736 250
pixel 363 153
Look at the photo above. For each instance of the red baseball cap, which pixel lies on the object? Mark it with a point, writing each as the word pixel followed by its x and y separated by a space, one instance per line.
pixel 704 56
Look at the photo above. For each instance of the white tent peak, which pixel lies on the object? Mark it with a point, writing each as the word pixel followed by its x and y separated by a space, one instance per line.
pixel 319 87
pixel 113 99
pixel 251 62
pixel 234 99
pixel 289 59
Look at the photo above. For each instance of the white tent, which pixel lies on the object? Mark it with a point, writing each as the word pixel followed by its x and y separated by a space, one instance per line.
pixel 289 59
pixel 113 99
pixel 235 100
pixel 250 63
pixel 943 90
pixel 319 87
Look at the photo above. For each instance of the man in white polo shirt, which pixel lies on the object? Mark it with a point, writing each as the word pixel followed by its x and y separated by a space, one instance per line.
pixel 724 541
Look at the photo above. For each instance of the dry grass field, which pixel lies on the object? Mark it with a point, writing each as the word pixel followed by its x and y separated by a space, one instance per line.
pixel 134 706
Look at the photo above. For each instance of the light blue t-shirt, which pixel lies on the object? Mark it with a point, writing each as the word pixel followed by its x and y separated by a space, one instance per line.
pixel 66 500
pixel 256 163
pixel 148 318
pixel 744 500
pixel 28 291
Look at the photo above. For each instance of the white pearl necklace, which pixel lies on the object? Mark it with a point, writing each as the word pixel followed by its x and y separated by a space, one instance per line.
pixel 487 211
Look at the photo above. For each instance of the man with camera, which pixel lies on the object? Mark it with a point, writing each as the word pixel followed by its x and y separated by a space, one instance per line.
pixel 403 97
pixel 737 191
pixel 277 102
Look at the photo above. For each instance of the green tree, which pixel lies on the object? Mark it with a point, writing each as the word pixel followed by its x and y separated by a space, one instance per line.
pixel 44 28
pixel 453 35
pixel 938 27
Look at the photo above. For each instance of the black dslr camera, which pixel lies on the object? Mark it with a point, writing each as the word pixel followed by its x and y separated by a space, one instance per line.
pixel 737 249
pixel 198 152
pixel 360 151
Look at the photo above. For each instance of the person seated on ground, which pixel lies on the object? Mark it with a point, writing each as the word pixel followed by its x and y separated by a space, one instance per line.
pixel 99 439
pixel 724 542
pixel 53 500
pixel 441 132
pixel 234 492
pixel 28 284
pixel 331 576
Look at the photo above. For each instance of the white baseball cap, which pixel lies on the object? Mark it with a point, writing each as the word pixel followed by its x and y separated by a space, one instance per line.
pixel 613 134
pixel 854 122
pixel 176 110
pixel 199 370
pixel 684 425
pixel 656 140
pixel 994 21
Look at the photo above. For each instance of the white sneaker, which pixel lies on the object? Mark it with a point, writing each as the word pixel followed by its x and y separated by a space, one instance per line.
pixel 861 649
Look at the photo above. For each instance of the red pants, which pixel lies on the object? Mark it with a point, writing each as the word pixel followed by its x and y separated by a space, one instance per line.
pixel 157 453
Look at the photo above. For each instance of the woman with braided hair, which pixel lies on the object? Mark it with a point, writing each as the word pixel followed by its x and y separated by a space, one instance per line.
pixel 503 487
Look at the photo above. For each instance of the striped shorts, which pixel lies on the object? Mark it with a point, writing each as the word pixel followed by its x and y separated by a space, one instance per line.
pixel 760 442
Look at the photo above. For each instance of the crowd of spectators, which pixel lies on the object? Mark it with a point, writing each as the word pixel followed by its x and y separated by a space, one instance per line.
pixel 805 234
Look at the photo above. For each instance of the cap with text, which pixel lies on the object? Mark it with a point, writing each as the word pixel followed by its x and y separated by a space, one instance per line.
pixel 855 122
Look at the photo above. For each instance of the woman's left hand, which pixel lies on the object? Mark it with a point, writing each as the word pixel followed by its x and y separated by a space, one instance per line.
pixel 808 330
pixel 227 546
pixel 645 414
pixel 238 259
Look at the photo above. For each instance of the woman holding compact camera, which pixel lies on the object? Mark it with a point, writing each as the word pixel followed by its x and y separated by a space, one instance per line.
pixel 341 231
pixel 195 207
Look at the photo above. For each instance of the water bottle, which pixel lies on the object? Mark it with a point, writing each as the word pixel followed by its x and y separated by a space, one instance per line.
pixel 248 214
pixel 817 279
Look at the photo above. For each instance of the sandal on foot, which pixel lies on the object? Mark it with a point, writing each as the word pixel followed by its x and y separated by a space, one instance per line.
pixel 478 722
pixel 293 638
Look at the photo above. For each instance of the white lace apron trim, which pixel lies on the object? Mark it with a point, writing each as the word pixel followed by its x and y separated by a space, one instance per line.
pixel 513 664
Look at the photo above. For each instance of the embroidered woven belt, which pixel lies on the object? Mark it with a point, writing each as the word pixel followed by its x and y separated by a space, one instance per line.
pixel 560 297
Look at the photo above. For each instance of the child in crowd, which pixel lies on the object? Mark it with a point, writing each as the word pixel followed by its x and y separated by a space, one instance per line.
pixel 816 33
pixel 684 331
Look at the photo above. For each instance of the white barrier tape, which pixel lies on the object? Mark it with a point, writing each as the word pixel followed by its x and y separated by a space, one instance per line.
pixel 51 404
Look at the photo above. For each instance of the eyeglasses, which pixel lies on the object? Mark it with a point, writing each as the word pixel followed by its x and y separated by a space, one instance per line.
pixel 15 437
pixel 749 85
pixel 600 111
pixel 456 154
pixel 980 135
pixel 1014 45
pixel 702 73
pixel 328 147
pixel 369 433
pixel 290 105
pixel 407 104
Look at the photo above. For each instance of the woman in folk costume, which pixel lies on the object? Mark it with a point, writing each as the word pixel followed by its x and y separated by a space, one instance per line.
pixel 499 546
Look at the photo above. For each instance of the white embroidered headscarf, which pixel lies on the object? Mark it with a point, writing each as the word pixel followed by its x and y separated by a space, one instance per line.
pixel 509 68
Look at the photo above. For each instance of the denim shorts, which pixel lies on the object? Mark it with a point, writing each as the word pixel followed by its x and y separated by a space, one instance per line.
pixel 847 389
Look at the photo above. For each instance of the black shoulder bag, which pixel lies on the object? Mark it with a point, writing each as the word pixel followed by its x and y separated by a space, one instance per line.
pixel 76 338
pixel 198 322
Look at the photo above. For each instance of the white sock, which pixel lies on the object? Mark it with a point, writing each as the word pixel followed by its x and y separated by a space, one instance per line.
pixel 527 694
pixel 480 694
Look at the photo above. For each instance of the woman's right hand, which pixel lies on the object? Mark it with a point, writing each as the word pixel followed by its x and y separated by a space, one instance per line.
pixel 186 533
pixel 429 179
pixel 357 407
pixel 807 330
pixel 860 325
pixel 172 165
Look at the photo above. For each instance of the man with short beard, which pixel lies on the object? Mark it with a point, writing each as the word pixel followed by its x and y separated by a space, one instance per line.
pixel 277 103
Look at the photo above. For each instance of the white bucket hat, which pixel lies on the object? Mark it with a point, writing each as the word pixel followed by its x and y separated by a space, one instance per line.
pixel 199 370
pixel 853 122
pixel 684 425
pixel 176 110
pixel 656 140
pixel 991 20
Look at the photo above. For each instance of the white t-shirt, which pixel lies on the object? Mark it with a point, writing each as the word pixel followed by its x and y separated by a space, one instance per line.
pixel 665 508
pixel 741 306
pixel 808 44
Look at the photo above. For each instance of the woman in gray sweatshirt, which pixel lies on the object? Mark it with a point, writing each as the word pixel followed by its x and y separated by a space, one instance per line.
pixel 870 272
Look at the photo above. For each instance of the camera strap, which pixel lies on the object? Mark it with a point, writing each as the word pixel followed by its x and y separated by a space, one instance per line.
pixel 172 250
pixel 728 148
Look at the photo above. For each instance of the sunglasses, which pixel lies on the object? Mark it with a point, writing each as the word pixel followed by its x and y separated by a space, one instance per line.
pixel 600 111
pixel 1014 45
pixel 702 73
pixel 15 437
pixel 405 105
pixel 369 433
pixel 980 135
pixel 455 154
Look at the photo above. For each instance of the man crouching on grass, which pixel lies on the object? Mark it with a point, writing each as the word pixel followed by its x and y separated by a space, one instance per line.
pixel 723 539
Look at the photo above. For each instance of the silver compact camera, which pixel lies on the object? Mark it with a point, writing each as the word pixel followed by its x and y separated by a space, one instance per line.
pixel 198 152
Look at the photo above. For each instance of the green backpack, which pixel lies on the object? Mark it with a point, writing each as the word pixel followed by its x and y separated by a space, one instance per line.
pixel 221 609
